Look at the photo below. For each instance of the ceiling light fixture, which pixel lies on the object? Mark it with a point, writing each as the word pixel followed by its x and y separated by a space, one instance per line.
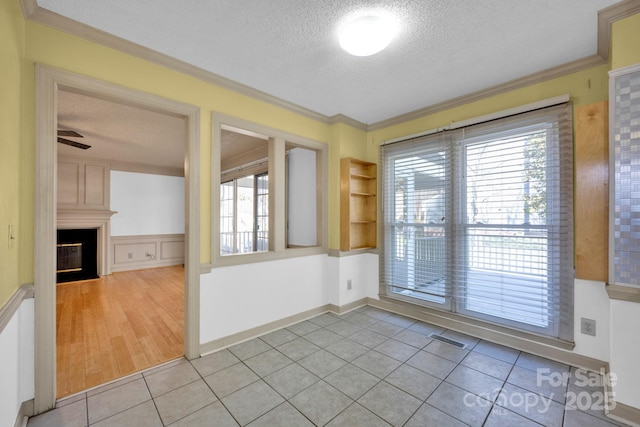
pixel 367 35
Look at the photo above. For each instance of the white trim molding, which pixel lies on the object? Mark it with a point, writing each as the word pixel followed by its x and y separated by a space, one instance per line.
pixel 496 334
pixel 10 308
pixel 606 18
pixel 623 293
pixel 25 411
pixel 624 413
pixel 148 169
pixel 277 140
pixel 237 338
pixel 101 220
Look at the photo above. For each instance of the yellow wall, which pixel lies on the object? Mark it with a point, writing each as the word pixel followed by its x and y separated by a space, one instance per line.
pixel 584 87
pixel 346 142
pixel 57 49
pixel 11 51
pixel 22 44
pixel 625 37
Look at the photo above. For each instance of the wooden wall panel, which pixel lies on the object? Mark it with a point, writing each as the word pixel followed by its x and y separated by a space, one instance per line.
pixel 83 184
pixel 68 183
pixel 95 184
pixel 592 191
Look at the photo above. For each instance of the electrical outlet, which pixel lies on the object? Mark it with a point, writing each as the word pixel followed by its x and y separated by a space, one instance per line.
pixel 130 255
pixel 588 326
pixel 349 285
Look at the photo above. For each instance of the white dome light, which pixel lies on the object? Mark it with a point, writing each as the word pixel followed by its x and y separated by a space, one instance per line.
pixel 367 35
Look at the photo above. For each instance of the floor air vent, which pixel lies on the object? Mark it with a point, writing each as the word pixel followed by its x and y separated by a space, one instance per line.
pixel 447 340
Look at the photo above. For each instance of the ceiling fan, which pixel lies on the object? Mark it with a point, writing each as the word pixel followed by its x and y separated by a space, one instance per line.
pixel 71 134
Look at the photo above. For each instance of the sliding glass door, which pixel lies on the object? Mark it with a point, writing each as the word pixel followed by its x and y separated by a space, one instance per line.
pixel 478 221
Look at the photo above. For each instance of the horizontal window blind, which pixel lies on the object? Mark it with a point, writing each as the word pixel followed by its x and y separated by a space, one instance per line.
pixel 478 220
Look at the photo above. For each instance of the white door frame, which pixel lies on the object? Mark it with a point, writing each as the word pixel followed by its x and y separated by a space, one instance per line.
pixel 48 81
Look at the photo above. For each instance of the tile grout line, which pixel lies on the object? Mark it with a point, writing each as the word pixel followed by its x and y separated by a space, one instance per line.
pixel 212 391
pixel 144 378
pixel 374 350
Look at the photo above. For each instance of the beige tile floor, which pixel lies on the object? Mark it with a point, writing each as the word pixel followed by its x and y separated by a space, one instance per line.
pixel 364 368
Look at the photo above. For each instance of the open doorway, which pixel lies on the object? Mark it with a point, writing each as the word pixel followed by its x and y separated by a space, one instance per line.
pixel 50 83
pixel 125 164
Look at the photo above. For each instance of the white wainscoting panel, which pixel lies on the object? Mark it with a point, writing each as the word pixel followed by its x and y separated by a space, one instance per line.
pixel 138 252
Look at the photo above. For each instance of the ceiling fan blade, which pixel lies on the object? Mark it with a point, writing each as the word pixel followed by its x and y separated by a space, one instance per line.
pixel 73 143
pixel 69 133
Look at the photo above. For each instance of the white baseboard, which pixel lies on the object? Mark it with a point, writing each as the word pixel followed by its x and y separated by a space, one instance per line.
pixel 624 413
pixel 25 411
pixel 237 338
pixel 621 412
pixel 497 335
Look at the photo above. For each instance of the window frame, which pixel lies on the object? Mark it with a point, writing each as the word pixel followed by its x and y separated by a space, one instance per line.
pixel 277 192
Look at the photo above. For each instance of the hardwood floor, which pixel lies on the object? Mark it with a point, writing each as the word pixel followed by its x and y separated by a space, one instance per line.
pixel 116 325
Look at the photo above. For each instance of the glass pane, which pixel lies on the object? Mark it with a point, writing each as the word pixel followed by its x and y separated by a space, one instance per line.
pixel 227 245
pixel 506 180
pixel 244 194
pixel 262 213
pixel 505 274
pixel 245 214
pixel 302 193
pixel 419 226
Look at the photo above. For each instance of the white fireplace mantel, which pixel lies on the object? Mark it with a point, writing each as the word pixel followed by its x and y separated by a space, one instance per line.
pixel 86 218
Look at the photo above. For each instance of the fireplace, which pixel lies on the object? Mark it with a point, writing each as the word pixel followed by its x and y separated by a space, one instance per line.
pixel 77 255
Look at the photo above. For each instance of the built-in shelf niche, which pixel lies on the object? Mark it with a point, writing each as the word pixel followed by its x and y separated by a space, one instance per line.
pixel 358 204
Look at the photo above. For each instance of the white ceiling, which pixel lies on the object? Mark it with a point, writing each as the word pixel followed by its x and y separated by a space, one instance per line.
pixel 289 49
pixel 121 132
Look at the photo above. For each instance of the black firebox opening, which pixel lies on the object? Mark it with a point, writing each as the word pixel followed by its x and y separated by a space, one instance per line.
pixel 77 255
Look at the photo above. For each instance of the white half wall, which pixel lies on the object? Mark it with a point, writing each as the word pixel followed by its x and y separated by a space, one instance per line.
pixel 238 298
pixel 16 363
pixel 591 302
pixel 146 204
pixel 362 270
pixel 625 347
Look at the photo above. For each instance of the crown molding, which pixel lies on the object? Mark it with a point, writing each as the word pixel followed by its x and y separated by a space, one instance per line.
pixel 606 18
pixel 341 118
pixel 121 166
pixel 35 13
pixel 551 73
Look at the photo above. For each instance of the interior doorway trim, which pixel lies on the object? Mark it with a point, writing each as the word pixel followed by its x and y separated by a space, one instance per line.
pixel 48 81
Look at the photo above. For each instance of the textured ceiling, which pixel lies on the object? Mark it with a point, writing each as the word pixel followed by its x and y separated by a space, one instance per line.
pixel 121 132
pixel 289 48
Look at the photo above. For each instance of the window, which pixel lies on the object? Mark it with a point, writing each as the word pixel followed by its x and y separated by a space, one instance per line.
pixel 244 215
pixel 269 193
pixel 478 221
